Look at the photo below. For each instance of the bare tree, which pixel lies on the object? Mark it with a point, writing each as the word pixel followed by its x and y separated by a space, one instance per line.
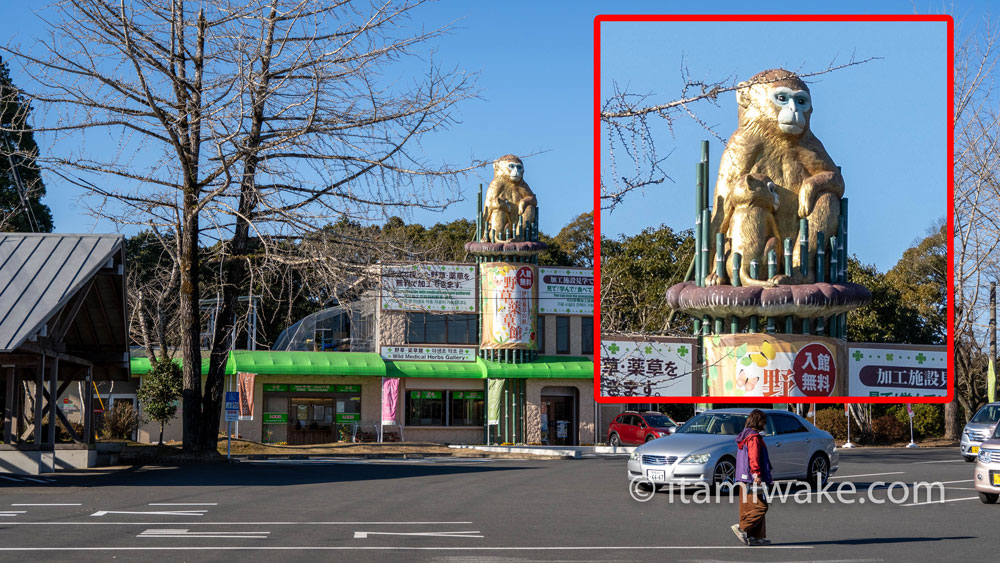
pixel 241 121
pixel 977 206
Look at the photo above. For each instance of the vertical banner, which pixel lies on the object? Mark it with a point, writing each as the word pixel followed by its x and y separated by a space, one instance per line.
pixel 390 399
pixel 244 384
pixel 495 400
pixel 509 294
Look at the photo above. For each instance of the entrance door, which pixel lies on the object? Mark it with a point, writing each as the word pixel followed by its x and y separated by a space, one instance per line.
pixel 559 420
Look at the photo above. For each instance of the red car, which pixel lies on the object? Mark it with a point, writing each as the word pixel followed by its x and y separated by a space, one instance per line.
pixel 633 428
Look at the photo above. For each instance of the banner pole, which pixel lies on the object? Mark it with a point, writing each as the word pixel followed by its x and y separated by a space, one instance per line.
pixel 847 413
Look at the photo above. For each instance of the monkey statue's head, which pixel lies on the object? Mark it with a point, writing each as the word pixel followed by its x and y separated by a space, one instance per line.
pixel 775 98
pixel 510 166
pixel 754 190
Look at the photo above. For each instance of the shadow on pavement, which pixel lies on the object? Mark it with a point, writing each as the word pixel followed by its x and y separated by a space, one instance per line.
pixel 876 541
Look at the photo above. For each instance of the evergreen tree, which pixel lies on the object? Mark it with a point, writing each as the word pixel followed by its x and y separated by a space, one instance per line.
pixel 17 161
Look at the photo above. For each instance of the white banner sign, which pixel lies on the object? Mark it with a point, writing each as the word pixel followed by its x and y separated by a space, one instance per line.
pixel 434 288
pixel 646 368
pixel 897 370
pixel 568 291
pixel 428 353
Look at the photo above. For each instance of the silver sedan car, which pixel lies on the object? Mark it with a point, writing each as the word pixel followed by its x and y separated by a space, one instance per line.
pixel 979 428
pixel 703 450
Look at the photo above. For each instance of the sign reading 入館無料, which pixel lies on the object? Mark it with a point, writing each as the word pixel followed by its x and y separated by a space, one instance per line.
pixel 647 367
pixel 897 370
pixel 435 288
pixel 566 291
pixel 429 353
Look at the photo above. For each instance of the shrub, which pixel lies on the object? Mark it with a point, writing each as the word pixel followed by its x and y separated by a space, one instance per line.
pixel 928 420
pixel 834 422
pixel 887 429
pixel 121 421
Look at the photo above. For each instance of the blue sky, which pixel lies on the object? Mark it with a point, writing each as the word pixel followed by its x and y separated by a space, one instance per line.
pixel 535 61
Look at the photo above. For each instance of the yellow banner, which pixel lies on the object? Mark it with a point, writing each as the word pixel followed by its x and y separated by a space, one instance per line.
pixel 509 294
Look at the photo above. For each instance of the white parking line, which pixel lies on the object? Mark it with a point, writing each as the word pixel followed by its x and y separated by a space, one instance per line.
pixel 153 513
pixel 11 512
pixel 629 548
pixel 940 501
pixel 941 461
pixel 204 523
pixel 48 504
pixel 183 504
pixel 10 478
pixel 866 475
pixel 959 481
pixel 184 533
pixel 466 534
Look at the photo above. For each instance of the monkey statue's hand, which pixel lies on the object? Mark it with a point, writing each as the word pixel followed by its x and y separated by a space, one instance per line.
pixel 780 279
pixel 807 200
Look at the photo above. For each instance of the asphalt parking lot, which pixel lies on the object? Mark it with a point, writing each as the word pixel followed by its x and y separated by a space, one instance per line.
pixel 480 510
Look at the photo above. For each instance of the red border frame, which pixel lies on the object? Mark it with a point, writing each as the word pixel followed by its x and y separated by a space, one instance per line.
pixel 950 23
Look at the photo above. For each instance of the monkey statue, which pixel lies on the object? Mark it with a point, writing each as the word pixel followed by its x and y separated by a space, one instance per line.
pixel 508 199
pixel 750 227
pixel 773 139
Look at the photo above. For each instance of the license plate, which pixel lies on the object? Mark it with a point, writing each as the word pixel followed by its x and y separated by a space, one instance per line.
pixel 974 450
pixel 656 476
pixel 996 479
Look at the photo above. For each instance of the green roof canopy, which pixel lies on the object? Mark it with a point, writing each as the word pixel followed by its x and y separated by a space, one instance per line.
pixel 466 370
pixel 140 365
pixel 545 367
pixel 265 362
pixel 307 363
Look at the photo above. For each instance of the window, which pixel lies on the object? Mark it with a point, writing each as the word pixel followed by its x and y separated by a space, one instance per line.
pixel 785 424
pixel 562 335
pixel 428 328
pixel 541 334
pixel 425 408
pixel 466 408
pixel 587 326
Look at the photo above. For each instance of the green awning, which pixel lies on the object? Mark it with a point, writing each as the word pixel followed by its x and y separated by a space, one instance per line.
pixel 306 363
pixel 545 367
pixel 465 370
pixel 140 365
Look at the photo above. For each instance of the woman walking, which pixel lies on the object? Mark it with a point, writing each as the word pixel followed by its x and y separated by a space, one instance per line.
pixel 753 472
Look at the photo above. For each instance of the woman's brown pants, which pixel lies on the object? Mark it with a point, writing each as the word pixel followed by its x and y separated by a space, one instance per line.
pixel 752 510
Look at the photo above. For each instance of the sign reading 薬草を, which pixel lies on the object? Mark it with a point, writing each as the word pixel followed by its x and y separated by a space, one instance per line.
pixel 435 288
pixel 566 291
pixel 232 406
pixel 775 365
pixel 429 353
pixel 648 367
pixel 897 370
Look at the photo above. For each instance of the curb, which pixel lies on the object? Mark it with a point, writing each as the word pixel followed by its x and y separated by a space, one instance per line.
pixel 570 454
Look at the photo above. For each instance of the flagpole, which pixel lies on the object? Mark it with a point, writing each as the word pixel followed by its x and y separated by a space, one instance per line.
pixel 847 413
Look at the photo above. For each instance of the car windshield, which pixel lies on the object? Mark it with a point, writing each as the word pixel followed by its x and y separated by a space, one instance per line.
pixel 658 420
pixel 989 413
pixel 714 423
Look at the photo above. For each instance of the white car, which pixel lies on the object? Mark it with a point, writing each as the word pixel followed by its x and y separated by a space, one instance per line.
pixel 979 428
pixel 703 450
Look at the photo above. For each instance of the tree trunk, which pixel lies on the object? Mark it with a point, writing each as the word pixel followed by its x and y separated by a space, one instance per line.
pixel 952 426
pixel 190 321
pixel 160 443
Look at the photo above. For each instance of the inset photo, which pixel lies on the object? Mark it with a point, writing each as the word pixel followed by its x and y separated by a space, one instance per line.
pixel 775 221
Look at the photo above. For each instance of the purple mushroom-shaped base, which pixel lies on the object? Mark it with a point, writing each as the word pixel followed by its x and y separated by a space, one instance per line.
pixel 805 301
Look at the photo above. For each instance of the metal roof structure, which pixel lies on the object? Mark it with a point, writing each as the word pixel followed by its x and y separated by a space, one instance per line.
pixel 65 293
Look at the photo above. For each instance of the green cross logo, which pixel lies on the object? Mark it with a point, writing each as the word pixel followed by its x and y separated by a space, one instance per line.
pixel 648 349
pixel 921 358
pixel 613 348
pixel 888 357
pixel 858 355
pixel 682 351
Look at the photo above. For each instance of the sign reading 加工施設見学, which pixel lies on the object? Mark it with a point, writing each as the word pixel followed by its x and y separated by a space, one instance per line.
pixel 897 370
pixel 566 291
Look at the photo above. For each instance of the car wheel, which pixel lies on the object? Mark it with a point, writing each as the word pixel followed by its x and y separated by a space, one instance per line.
pixel 969 459
pixel 988 498
pixel 725 472
pixel 614 440
pixel 819 471
pixel 650 437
